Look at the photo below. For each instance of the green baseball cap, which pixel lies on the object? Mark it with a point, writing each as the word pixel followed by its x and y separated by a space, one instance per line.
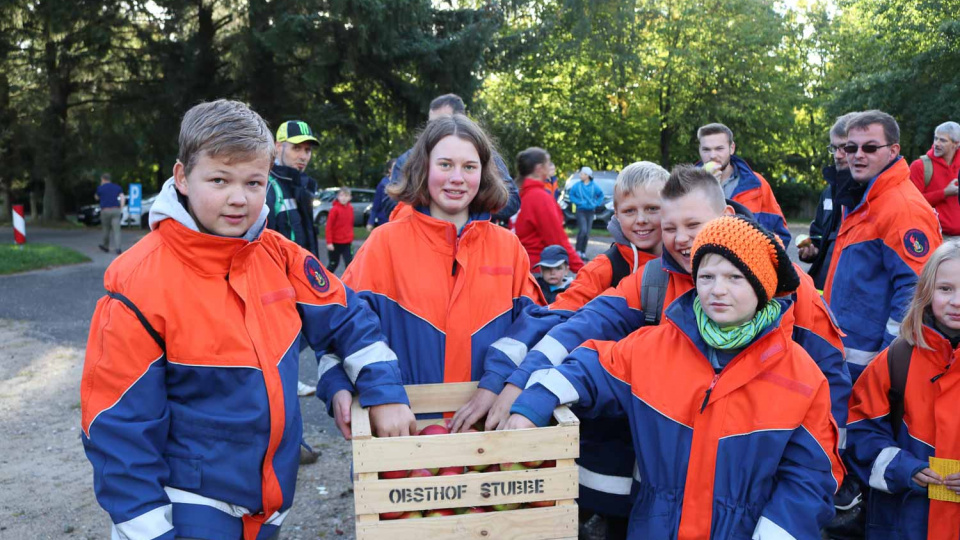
pixel 296 132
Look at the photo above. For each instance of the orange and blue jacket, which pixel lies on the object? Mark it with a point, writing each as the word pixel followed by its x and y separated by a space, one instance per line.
pixel 716 459
pixel 880 249
pixel 442 297
pixel 753 191
pixel 200 438
pixel 897 506
pixel 618 312
pixel 605 465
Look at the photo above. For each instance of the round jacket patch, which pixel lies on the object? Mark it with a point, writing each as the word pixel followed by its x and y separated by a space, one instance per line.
pixel 916 243
pixel 315 275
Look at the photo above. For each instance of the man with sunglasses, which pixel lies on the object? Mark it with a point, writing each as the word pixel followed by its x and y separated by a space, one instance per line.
pixel 887 233
pixel 937 175
pixel 823 230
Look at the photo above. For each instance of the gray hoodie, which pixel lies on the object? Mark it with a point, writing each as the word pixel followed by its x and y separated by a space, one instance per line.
pixel 617 232
pixel 168 206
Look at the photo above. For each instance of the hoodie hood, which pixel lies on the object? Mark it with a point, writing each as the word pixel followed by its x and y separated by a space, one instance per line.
pixel 169 204
pixel 616 230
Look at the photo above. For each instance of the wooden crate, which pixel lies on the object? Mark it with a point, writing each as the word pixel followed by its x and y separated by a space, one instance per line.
pixel 373 496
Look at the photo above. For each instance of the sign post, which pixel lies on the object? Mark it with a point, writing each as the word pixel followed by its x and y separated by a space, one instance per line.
pixel 19 226
pixel 134 206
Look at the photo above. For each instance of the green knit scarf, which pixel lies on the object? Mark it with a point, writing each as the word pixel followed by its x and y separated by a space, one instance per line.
pixel 738 336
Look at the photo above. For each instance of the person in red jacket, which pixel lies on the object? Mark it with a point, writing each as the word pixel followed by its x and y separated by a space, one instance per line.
pixel 339 231
pixel 443 279
pixel 540 220
pixel 937 175
pixel 895 463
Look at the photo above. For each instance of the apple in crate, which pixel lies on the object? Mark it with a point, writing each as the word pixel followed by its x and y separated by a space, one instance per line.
pixel 548 464
pixel 393 475
pixel 532 464
pixel 477 468
pixel 449 471
pixel 541 504
pixel 506 506
pixel 476 510
pixel 411 515
pixel 420 473
pixel 513 466
pixel 434 429
pixel 439 512
pixel 391 515
pixel 493 468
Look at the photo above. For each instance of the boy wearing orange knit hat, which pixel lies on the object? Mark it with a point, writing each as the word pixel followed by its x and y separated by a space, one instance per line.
pixel 730 419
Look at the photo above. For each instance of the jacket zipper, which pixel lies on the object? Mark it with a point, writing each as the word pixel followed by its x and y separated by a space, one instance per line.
pixel 937 377
pixel 706 397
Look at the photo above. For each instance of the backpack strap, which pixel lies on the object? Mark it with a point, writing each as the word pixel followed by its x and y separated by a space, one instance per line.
pixel 143 320
pixel 621 268
pixel 653 291
pixel 927 170
pixel 898 364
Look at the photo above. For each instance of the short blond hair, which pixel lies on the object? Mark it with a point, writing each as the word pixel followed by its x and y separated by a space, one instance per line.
pixel 911 329
pixel 642 174
pixel 223 128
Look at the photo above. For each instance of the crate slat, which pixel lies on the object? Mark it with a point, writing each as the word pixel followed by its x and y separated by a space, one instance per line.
pixel 439 398
pixel 554 523
pixel 479 448
pixel 359 421
pixel 465 490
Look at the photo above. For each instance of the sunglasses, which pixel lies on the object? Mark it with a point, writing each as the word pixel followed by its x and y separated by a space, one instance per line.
pixel 851 148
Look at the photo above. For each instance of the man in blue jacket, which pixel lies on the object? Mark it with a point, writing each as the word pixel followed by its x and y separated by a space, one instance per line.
pixel 586 196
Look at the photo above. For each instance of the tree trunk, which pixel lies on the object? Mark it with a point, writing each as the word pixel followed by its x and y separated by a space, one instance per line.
pixel 262 79
pixel 54 128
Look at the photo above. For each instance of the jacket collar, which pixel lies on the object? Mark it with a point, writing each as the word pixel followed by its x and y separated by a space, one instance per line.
pixel 532 183
pixel 283 172
pixel 748 178
pixel 442 235
pixel 759 356
pixel 943 349
pixel 206 253
pixel 889 178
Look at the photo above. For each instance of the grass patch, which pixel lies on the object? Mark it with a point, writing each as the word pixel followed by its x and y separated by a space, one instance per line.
pixel 359 233
pixel 36 256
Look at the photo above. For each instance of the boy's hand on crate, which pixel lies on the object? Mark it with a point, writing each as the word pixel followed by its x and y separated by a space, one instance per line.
pixel 518 421
pixel 500 412
pixel 474 410
pixel 341 412
pixel 393 420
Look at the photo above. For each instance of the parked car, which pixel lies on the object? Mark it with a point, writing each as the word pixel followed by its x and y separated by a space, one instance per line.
pixel 606 181
pixel 144 222
pixel 362 199
pixel 89 215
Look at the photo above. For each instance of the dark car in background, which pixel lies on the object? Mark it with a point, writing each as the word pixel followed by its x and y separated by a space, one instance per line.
pixel 361 201
pixel 606 180
pixel 89 215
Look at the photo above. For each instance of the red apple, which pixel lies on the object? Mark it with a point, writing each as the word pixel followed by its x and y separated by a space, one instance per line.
pixel 532 464
pixel 476 510
pixel 512 467
pixel 506 506
pixel 447 471
pixel 393 475
pixel 391 515
pixel 411 515
pixel 420 473
pixel 434 429
pixel 548 464
pixel 493 468
pixel 541 504
pixel 440 512
pixel 478 468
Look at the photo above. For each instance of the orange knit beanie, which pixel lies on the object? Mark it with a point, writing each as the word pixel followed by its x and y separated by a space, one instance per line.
pixel 758 253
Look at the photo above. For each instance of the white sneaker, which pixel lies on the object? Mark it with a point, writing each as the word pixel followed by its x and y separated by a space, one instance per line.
pixel 305 389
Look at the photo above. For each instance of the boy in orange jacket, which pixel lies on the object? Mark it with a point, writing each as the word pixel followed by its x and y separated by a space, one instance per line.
pixel 189 402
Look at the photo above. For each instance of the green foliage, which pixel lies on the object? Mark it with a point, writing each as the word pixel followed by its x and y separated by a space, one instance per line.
pixel 14 259
pixel 88 86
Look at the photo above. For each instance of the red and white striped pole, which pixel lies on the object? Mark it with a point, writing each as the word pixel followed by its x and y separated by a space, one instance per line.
pixel 19 226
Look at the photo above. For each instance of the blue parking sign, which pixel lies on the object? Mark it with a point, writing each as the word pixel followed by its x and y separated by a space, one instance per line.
pixel 136 198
